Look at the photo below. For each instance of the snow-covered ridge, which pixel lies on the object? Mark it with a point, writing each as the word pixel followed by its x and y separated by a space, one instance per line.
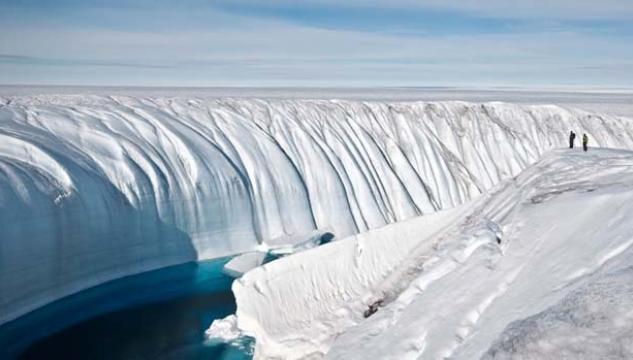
pixel 537 268
pixel 95 187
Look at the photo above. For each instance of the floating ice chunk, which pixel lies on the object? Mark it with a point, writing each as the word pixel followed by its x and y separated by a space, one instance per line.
pixel 223 330
pixel 243 263
pixel 280 246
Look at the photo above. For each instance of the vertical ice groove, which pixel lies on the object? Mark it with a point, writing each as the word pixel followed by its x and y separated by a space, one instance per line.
pixel 332 163
pixel 298 175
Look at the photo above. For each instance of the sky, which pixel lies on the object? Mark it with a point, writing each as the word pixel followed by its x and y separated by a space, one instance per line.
pixel 318 43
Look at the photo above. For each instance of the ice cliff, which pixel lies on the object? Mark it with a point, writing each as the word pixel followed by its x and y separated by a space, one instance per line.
pixel 94 187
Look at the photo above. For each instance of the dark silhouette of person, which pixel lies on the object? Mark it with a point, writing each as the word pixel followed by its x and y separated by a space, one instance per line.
pixel 585 141
pixel 572 137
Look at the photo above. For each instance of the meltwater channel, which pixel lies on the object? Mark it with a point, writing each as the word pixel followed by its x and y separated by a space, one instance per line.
pixel 160 314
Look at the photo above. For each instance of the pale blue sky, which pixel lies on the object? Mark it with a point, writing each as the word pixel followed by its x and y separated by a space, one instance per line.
pixel 317 43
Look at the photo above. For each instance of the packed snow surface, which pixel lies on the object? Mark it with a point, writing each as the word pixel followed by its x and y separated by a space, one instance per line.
pixel 539 267
pixel 593 322
pixel 97 187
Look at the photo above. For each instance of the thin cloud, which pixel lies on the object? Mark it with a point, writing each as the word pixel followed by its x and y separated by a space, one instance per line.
pixel 32 60
pixel 517 9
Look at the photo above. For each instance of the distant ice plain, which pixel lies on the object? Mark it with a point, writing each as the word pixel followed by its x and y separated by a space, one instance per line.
pixel 611 101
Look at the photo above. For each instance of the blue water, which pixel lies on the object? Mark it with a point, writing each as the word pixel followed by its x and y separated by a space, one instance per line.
pixel 160 314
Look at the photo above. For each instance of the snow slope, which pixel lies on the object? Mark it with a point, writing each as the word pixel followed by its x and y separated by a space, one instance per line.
pixel 97 187
pixel 593 322
pixel 538 268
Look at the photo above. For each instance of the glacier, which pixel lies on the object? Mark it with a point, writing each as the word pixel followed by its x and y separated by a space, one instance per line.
pixel 97 187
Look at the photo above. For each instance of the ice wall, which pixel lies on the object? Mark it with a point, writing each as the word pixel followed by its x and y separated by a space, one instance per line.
pixel 93 187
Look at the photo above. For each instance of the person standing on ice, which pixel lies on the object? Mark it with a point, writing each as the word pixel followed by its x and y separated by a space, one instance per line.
pixel 585 141
pixel 572 137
